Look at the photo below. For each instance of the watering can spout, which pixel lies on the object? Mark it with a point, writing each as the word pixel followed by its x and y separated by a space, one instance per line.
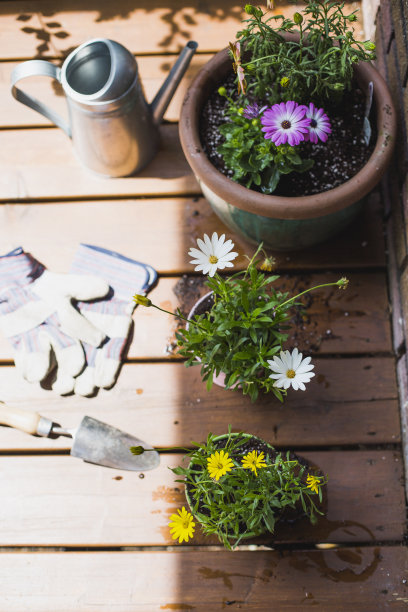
pixel 166 91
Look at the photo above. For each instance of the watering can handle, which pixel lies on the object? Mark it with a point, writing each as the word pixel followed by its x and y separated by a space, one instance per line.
pixel 37 68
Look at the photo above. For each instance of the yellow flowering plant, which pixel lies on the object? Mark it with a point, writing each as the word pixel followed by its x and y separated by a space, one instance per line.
pixel 238 486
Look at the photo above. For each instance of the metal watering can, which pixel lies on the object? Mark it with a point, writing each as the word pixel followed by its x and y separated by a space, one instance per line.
pixel 113 129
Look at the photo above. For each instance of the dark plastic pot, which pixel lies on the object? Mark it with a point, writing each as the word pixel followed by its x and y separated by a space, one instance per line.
pixel 262 530
pixel 251 534
pixel 283 223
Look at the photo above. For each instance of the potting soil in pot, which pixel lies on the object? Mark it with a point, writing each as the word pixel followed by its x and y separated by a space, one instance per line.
pixel 335 161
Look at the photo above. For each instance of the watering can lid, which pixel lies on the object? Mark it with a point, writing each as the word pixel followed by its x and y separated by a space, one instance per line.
pixel 123 67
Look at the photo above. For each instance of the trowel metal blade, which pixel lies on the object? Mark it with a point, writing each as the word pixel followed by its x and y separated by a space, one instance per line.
pixel 97 442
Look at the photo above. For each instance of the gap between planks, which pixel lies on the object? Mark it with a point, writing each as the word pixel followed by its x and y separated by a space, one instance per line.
pixel 354 322
pixel 167 404
pixel 363 579
pixel 68 502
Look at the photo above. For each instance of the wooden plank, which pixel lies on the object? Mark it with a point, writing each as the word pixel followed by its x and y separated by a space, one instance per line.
pixel 363 578
pixel 168 405
pixel 165 245
pixel 40 29
pixel 157 231
pixel 351 322
pixel 41 163
pixel 153 71
pixel 66 502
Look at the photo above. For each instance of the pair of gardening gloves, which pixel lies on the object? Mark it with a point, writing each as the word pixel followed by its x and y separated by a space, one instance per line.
pixel 78 322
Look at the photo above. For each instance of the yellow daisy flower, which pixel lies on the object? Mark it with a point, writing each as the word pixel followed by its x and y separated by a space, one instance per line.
pixel 268 264
pixel 254 460
pixel 313 483
pixel 182 525
pixel 142 300
pixel 219 464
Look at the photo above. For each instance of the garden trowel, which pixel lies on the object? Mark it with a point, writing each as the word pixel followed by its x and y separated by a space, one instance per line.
pixel 93 441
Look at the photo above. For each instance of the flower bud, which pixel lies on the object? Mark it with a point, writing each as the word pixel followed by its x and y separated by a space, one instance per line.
pixel 268 264
pixel 352 17
pixel 370 46
pixel 298 18
pixel 284 82
pixel 250 9
pixel 142 300
pixel 342 283
pixel 222 91
pixel 137 450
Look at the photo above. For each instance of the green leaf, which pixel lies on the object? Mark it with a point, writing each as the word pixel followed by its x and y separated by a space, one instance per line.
pixel 269 520
pixel 244 301
pixel 272 181
pixel 242 355
pixel 305 165
pixel 179 471
pixel 214 351
pixel 253 336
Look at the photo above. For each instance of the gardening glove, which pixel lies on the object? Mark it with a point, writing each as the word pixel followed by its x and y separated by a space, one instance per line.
pixel 37 316
pixel 112 315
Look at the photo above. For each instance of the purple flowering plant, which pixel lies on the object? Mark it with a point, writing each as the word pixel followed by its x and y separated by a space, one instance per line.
pixel 261 142
pixel 284 90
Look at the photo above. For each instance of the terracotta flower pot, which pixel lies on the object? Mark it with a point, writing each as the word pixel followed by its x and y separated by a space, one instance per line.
pixel 283 223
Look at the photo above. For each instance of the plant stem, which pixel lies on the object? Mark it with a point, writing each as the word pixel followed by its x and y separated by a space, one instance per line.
pixel 258 250
pixel 140 449
pixel 307 291
pixel 259 59
pixel 178 316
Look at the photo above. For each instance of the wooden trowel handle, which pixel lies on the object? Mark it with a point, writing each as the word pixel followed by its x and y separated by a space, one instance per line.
pixel 24 420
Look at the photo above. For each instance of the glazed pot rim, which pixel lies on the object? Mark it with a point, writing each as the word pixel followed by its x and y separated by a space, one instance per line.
pixel 282 207
pixel 196 304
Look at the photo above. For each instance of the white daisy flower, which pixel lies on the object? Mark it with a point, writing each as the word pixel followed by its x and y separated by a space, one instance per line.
pixel 290 370
pixel 213 254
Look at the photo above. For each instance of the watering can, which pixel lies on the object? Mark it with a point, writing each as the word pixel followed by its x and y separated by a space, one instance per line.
pixel 113 129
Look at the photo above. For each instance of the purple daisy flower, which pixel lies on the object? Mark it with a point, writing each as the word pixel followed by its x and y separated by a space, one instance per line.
pixel 320 126
pixel 251 111
pixel 286 122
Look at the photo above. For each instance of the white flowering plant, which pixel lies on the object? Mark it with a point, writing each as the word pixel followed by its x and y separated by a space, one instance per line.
pixel 241 333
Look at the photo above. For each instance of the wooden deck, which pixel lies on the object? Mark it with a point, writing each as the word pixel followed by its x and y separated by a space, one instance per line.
pixel 77 537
